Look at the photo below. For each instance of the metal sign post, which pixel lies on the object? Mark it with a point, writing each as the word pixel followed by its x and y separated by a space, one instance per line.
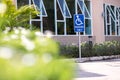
pixel 79 27
pixel 79 46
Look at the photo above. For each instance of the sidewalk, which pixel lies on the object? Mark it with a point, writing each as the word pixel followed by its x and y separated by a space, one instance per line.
pixel 98 70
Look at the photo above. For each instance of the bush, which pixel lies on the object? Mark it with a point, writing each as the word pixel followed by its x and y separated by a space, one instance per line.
pixel 86 49
pixel 28 55
pixel 107 48
pixel 69 51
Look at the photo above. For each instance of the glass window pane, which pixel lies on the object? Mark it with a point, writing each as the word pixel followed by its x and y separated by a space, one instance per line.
pixel 87 26
pixel 64 8
pixel 113 27
pixel 88 5
pixel 108 16
pixel 81 5
pixel 111 10
pixel 84 9
pixel 108 27
pixel 40 7
pixel 59 13
pixel 48 22
pixel 69 22
pixel 60 28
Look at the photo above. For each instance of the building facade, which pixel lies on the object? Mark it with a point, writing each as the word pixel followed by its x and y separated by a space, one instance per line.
pixel 102 19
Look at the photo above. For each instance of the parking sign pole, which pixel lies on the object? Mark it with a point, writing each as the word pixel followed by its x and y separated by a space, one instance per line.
pixel 79 46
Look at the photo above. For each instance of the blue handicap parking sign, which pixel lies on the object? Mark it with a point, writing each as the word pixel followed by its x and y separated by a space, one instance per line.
pixel 79 23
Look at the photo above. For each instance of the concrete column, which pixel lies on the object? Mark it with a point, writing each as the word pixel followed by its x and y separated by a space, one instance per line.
pixel 98 20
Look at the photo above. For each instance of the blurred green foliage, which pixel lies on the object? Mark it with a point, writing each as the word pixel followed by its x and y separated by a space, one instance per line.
pixel 10 16
pixel 25 54
pixel 30 55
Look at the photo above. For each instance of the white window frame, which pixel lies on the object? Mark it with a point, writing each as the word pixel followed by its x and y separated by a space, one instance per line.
pixel 40 15
pixel 63 14
pixel 113 16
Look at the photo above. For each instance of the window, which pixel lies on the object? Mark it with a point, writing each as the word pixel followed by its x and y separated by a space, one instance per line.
pixel 39 5
pixel 111 20
pixel 60 6
pixel 64 8
pixel 57 15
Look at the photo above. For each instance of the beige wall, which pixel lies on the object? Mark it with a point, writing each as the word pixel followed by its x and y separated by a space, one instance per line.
pixel 72 40
pixel 98 20
pixel 112 2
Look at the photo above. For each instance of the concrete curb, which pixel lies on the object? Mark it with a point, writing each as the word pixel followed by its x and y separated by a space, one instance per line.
pixel 87 59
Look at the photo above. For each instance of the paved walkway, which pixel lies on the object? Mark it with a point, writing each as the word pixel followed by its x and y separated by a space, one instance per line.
pixel 98 70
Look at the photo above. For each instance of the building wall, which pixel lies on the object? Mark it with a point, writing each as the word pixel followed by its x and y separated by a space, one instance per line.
pixel 112 38
pixel 72 40
pixel 98 20
pixel 112 2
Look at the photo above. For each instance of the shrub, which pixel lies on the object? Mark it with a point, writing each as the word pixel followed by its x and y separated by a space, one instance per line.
pixel 69 51
pixel 107 48
pixel 86 49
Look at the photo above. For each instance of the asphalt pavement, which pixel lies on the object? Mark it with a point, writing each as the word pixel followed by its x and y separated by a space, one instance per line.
pixel 98 70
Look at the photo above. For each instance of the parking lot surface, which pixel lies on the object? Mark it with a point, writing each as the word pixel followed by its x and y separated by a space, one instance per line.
pixel 98 70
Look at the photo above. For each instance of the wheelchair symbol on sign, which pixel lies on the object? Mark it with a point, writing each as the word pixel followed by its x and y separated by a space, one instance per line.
pixel 78 21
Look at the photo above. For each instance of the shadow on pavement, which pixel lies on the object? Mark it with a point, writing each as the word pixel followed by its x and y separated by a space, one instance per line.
pixel 85 74
pixel 79 73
